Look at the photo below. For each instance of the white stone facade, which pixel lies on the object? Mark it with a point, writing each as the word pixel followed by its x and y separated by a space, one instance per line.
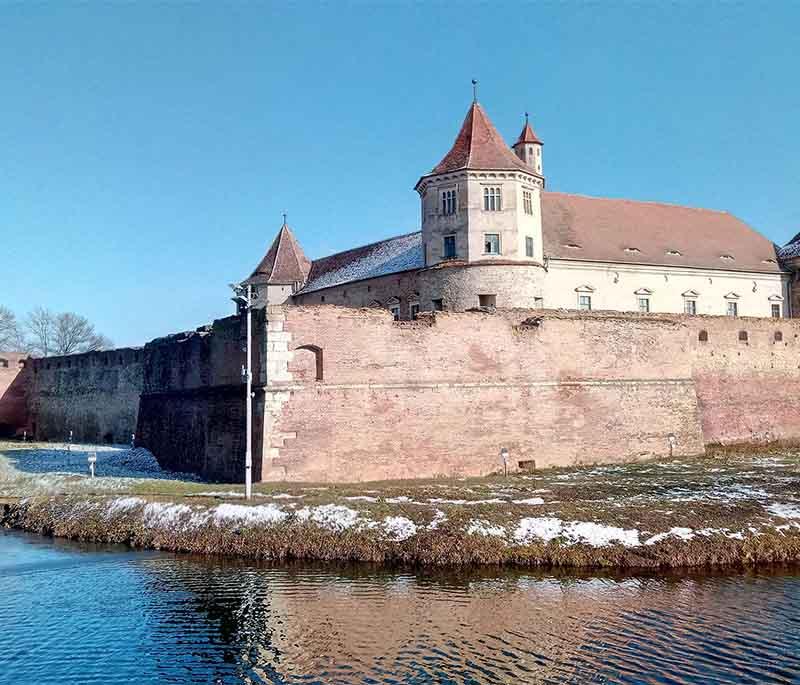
pixel 619 287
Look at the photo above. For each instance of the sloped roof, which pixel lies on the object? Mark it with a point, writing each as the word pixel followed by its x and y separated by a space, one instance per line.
pixel 791 249
pixel 610 230
pixel 588 229
pixel 284 262
pixel 478 145
pixel 527 135
pixel 390 256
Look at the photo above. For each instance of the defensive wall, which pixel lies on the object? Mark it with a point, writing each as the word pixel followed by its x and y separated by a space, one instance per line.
pixel 95 395
pixel 344 394
pixel 14 386
pixel 192 409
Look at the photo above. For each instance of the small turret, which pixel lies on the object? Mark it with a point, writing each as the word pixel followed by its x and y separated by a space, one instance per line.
pixel 529 148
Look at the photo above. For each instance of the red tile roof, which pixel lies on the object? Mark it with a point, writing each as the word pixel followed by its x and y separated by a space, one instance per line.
pixel 284 262
pixel 478 145
pixel 608 230
pixel 527 135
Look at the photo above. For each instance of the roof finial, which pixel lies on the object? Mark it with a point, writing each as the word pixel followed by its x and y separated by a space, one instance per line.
pixel 285 214
pixel 526 117
pixel 474 90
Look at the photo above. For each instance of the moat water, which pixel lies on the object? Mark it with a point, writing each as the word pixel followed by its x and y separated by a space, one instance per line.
pixel 73 613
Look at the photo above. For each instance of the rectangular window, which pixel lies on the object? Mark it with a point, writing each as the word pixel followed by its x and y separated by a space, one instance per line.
pixel 527 201
pixel 585 302
pixel 491 243
pixel 438 305
pixel 644 304
pixel 528 246
pixel 395 313
pixel 538 303
pixel 448 202
pixel 690 307
pixel 492 199
pixel 733 309
pixel 488 301
pixel 776 311
pixel 449 251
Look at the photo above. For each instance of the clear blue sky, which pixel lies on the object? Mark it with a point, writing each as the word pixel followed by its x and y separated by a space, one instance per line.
pixel 147 151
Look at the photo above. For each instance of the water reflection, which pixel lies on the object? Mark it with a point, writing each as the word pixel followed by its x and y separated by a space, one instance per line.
pixel 114 616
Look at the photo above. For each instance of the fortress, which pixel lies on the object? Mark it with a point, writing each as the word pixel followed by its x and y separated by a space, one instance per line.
pixel 564 328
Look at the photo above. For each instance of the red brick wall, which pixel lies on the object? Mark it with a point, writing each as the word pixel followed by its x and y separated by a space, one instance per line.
pixel 14 383
pixel 441 396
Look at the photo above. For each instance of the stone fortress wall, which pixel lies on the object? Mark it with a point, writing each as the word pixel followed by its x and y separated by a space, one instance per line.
pixel 345 394
pixel 95 395
pixel 441 396
pixel 14 372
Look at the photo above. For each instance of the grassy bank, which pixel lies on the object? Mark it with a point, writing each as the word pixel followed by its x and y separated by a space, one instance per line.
pixel 729 509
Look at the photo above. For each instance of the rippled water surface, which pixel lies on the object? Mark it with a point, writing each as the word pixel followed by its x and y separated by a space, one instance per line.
pixel 81 614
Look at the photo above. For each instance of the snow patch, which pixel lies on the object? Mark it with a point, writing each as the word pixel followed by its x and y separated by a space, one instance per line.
pixel 485 528
pixel 333 517
pixel 122 505
pixel 529 500
pixel 262 514
pixel 399 528
pixel 594 534
pixel 680 533
pixel 784 511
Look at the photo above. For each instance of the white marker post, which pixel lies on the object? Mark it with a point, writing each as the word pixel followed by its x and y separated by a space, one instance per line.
pixel 92 461
pixel 504 457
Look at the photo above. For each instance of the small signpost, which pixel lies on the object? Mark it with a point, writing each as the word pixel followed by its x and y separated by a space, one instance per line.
pixel 69 447
pixel 504 457
pixel 92 461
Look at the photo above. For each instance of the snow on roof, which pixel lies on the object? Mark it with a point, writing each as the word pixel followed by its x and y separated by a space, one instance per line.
pixel 402 253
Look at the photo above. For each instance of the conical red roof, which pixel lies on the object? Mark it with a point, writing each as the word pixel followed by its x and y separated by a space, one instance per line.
pixel 284 262
pixel 527 135
pixel 479 146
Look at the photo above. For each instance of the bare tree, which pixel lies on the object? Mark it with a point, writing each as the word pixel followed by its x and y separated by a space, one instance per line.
pixel 65 333
pixel 11 338
pixel 73 333
pixel 41 328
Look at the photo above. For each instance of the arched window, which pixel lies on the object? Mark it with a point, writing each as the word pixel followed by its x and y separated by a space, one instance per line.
pixel 305 365
pixel 703 337
pixel 778 337
pixel 742 336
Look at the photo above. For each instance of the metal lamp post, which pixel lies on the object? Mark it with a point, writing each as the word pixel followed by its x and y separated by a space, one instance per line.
pixel 244 296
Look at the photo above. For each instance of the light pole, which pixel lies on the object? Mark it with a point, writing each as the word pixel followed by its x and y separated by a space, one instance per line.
pixel 244 296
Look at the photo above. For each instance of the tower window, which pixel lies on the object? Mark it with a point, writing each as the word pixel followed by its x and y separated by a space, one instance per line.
pixel 491 243
pixel 492 199
pixel 585 302
pixel 776 311
pixel 733 309
pixel 690 307
pixel 413 309
pixel 528 246
pixel 448 202
pixel 438 305
pixel 449 251
pixel 644 304
pixel 395 312
pixel 527 201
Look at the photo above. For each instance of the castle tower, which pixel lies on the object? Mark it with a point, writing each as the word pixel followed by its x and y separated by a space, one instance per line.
pixel 529 148
pixel 282 271
pixel 481 222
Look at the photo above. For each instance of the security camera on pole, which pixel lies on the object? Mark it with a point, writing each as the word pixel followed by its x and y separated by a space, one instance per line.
pixel 243 295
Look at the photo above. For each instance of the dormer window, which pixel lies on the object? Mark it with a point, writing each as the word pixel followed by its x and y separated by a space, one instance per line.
pixel 492 199
pixel 769 261
pixel 729 257
pixel 632 249
pixel 572 246
pixel 449 202
pixel 674 253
